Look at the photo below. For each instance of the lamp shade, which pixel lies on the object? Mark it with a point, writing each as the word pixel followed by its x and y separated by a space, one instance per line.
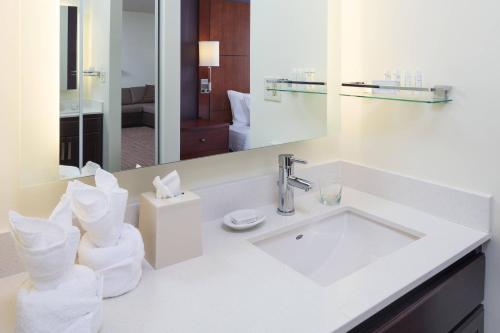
pixel 209 54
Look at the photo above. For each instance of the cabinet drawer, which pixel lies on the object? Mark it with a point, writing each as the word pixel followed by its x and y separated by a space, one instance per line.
pixel 438 305
pixel 92 124
pixel 474 323
pixel 203 142
pixel 69 127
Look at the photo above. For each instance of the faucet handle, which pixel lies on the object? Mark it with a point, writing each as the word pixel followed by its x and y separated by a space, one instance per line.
pixel 287 160
pixel 298 160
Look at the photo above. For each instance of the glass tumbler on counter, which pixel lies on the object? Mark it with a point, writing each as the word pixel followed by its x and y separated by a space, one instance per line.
pixel 330 193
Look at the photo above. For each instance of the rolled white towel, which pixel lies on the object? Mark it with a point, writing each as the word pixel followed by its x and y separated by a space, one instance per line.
pixel 120 265
pixel 75 306
pixel 62 216
pixel 118 197
pixel 100 210
pixel 90 169
pixel 46 247
pixel 42 248
pixel 92 208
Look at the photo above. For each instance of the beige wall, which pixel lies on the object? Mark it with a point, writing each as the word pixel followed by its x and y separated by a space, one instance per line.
pixel 9 105
pixel 39 200
pixel 38 109
pixel 452 42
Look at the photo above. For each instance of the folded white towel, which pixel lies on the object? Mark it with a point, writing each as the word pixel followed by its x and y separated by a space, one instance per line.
pixel 120 265
pixel 246 216
pixel 69 172
pixel 168 187
pixel 75 306
pixel 118 197
pixel 100 210
pixel 42 248
pixel 89 169
pixel 47 248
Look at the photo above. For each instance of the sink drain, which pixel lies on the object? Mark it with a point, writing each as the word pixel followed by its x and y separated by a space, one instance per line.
pixel 299 237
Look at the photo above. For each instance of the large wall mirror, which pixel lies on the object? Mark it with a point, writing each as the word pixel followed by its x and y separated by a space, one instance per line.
pixel 147 82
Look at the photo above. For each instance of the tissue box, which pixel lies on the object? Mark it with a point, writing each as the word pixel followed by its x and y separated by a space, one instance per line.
pixel 171 228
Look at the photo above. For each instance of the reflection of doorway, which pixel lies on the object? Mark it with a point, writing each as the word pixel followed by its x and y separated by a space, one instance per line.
pixel 138 84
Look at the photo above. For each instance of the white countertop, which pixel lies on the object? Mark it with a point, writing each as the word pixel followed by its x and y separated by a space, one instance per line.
pixel 236 287
pixel 76 113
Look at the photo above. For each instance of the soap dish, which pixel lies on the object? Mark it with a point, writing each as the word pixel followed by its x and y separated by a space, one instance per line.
pixel 243 219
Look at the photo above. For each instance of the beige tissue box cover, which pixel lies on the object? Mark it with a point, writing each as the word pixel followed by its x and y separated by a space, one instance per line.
pixel 171 228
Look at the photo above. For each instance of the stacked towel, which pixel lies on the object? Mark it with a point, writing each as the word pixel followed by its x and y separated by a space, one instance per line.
pixel 59 296
pixel 75 306
pixel 120 265
pixel 109 246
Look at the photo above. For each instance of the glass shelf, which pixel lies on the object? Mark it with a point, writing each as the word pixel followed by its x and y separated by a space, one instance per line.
pixel 301 87
pixel 400 98
pixel 434 95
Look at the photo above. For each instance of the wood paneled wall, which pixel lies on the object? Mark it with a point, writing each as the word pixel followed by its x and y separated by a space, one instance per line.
pixel 229 23
pixel 189 59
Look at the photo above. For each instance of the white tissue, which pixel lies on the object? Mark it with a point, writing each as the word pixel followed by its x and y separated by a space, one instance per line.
pixel 168 187
pixel 120 265
pixel 75 306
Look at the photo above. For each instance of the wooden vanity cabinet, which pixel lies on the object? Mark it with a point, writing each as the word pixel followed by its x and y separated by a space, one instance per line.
pixel 70 140
pixel 448 302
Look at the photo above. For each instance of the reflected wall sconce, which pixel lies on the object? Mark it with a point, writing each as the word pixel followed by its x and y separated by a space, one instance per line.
pixel 209 57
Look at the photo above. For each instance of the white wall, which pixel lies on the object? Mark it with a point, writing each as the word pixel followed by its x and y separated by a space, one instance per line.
pixel 102 51
pixel 170 82
pixel 138 49
pixel 287 35
pixel 452 42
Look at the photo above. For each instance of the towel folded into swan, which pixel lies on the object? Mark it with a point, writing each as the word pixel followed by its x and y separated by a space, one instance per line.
pixel 109 246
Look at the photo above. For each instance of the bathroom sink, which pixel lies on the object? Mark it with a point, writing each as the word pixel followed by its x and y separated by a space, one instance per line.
pixel 335 247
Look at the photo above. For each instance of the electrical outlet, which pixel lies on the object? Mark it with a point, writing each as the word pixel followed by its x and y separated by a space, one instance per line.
pixel 271 95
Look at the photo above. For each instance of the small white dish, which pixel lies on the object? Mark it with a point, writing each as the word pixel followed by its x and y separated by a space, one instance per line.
pixel 229 220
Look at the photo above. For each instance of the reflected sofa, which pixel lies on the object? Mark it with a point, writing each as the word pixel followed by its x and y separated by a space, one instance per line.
pixel 138 106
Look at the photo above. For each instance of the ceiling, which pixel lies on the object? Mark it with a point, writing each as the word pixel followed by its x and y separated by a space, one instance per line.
pixel 146 6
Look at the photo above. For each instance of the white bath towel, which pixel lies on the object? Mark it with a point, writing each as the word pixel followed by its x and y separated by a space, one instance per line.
pixel 92 208
pixel 120 265
pixel 62 216
pixel 100 210
pixel 118 197
pixel 75 306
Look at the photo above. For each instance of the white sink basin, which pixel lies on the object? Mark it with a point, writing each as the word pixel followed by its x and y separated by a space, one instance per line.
pixel 335 247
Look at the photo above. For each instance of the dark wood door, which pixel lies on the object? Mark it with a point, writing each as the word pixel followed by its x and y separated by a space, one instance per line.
pixel 93 139
pixel 69 150
pixel 92 148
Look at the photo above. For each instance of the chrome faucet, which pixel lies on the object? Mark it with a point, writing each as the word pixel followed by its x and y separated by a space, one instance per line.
pixel 287 182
